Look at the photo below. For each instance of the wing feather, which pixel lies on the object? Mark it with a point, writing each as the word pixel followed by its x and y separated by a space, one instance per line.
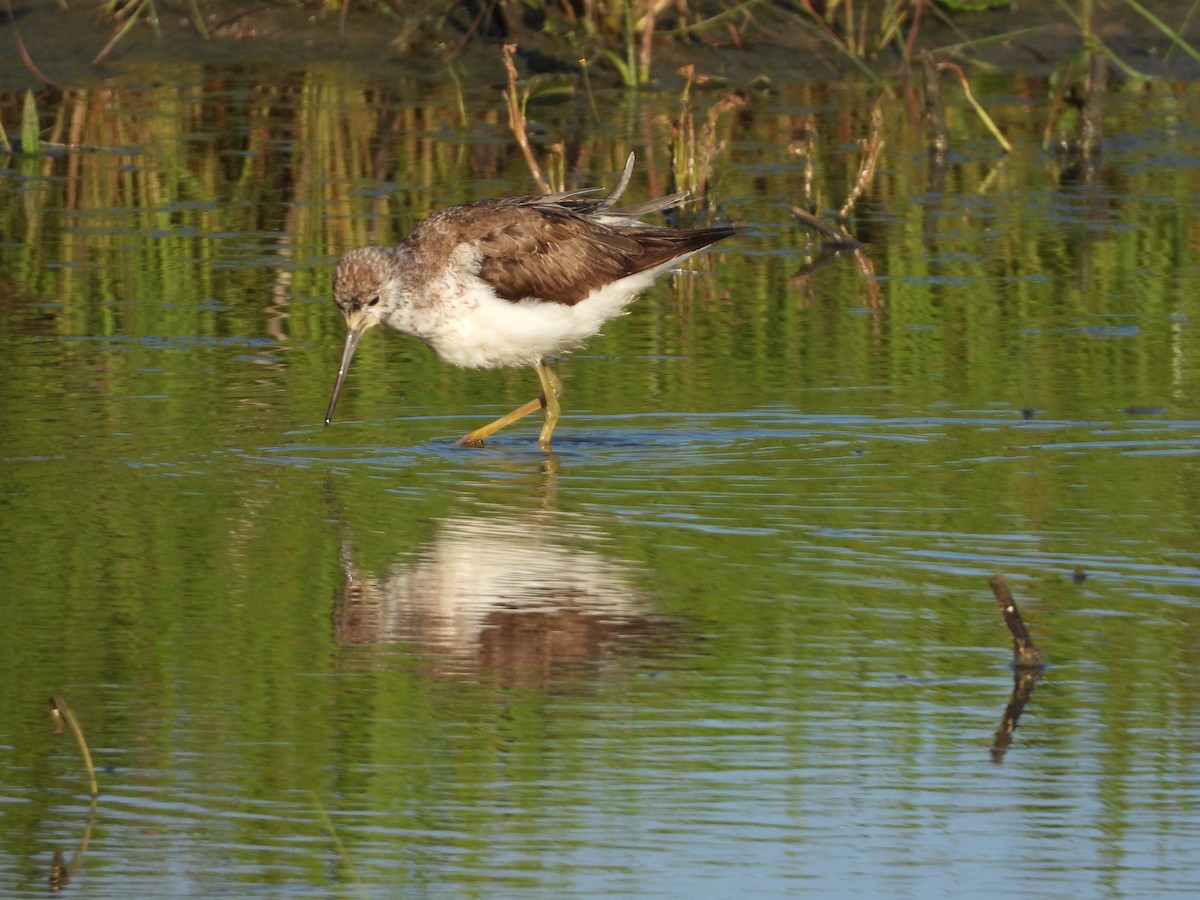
pixel 557 248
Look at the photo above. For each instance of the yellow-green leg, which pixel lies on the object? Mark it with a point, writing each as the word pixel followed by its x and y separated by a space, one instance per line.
pixel 551 391
pixel 479 435
pixel 551 388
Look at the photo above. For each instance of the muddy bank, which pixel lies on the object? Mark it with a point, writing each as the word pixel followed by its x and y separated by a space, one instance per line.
pixel 773 41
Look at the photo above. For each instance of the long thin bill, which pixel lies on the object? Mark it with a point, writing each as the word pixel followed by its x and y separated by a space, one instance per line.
pixel 352 337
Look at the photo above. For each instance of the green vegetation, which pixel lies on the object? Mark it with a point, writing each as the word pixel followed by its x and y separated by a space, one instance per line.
pixel 639 43
pixel 836 462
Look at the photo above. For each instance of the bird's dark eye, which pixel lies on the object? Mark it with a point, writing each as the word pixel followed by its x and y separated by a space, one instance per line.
pixel 373 301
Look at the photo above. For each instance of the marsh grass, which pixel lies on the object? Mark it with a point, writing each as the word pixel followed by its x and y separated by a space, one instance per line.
pixel 982 113
pixel 632 63
pixel 126 15
pixel 30 125
pixel 622 35
pixel 516 99
pixel 193 202
pixel 30 129
pixel 837 239
pixel 623 32
pixel 694 148
pixel 844 27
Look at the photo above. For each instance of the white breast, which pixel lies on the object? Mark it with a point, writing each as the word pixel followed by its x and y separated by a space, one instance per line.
pixel 470 326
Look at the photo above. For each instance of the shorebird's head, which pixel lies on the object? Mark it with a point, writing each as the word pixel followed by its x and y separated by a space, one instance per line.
pixel 363 282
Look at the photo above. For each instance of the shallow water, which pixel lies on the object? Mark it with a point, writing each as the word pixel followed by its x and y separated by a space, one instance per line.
pixel 734 637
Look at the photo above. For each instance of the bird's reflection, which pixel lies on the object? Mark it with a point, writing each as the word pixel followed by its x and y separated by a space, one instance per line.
pixel 520 602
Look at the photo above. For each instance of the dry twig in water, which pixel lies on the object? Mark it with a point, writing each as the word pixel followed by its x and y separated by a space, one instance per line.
pixel 60 710
pixel 1026 654
pixel 516 119
pixel 866 167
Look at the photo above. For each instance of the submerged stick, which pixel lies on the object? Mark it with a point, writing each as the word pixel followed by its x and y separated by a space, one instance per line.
pixel 1028 665
pixel 62 872
pixel 1024 681
pixel 837 239
pixel 1026 654
pixel 61 710
pixel 1091 117
pixel 935 113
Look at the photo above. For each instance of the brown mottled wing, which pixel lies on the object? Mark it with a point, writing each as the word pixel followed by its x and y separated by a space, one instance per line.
pixel 557 253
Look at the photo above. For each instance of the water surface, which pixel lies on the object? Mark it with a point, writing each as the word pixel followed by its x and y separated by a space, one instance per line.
pixel 734 637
